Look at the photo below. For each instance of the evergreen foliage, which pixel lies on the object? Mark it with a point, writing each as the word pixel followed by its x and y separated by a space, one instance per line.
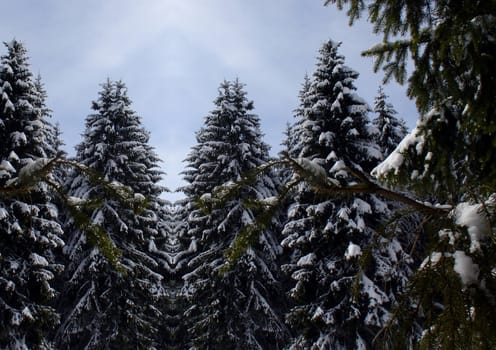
pixel 294 138
pixel 212 270
pixel 30 234
pixel 448 158
pixel 104 307
pixel 238 309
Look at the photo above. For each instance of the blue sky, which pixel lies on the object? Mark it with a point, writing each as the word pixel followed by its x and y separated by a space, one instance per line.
pixel 173 54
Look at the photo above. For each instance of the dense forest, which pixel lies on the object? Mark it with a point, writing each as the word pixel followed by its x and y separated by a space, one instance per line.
pixel 360 234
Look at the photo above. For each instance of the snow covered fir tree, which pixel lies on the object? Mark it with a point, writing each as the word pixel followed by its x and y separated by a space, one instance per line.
pixel 339 297
pixel 30 234
pixel 239 308
pixel 104 304
pixel 390 129
pixel 359 235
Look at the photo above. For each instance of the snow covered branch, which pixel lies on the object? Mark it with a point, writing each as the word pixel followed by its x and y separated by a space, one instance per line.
pixel 323 184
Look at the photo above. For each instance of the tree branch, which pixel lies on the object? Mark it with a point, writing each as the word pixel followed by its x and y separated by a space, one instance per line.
pixel 366 185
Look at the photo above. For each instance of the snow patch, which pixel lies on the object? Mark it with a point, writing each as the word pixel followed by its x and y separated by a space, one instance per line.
pixel 473 218
pixel 5 165
pixel 13 157
pixel 317 314
pixel 8 107
pixel 312 167
pixel 27 313
pixel 38 260
pixel 270 201
pixel 352 251
pixel 338 166
pixel 395 160
pixel 32 168
pixel 18 138
pixel 75 201
pixel 433 259
pixel 307 260
pixel 452 236
pixel 466 268
pixel 138 197
pixel 362 206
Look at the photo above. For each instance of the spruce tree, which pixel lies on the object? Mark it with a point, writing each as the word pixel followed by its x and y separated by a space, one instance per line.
pixel 103 305
pixel 53 141
pixel 390 130
pixel 237 308
pixel 338 302
pixel 294 136
pixel 30 234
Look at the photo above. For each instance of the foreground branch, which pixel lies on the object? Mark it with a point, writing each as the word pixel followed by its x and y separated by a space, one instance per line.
pixel 326 185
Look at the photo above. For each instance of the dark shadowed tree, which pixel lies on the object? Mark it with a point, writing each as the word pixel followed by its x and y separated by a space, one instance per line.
pixel 239 308
pixel 338 266
pixel 30 234
pixel 448 158
pixel 113 303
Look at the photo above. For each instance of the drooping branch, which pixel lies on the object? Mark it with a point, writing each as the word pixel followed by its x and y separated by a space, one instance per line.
pixel 29 176
pixel 366 185
pixel 39 171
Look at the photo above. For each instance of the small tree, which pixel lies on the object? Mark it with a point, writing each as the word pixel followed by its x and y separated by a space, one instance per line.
pixel 390 130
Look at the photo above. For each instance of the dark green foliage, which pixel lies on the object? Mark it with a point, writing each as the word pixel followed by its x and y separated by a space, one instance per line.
pixel 337 301
pixel 172 250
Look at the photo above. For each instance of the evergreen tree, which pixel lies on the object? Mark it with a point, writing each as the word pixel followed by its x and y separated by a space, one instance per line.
pixel 338 302
pixel 53 141
pixel 390 130
pixel 239 308
pixel 291 142
pixel 29 232
pixel 294 136
pixel 448 158
pixel 104 306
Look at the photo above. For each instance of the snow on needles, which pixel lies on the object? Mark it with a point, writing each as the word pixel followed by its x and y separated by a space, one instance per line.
pixel 312 167
pixel 474 219
pixel 33 167
pixel 466 268
pixel 352 251
pixel 394 161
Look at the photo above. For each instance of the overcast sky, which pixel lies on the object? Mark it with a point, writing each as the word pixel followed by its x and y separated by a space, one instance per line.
pixel 173 54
